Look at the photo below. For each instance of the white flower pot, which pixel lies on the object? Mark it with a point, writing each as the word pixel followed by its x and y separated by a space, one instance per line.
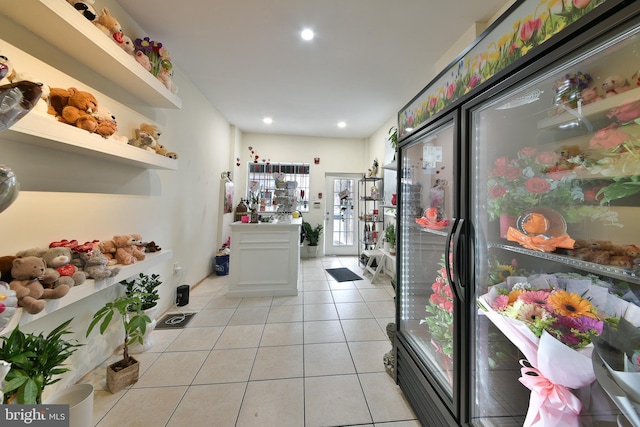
pixel 79 397
pixel 147 339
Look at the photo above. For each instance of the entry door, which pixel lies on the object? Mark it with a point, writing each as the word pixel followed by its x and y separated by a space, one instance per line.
pixel 340 232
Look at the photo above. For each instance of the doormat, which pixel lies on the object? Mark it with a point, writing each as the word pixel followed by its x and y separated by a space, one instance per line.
pixel 174 320
pixel 343 274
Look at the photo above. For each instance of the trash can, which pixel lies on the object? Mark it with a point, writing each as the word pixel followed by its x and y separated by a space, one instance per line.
pixel 222 265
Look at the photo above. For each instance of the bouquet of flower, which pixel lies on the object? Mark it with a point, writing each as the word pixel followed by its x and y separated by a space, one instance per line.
pixel 533 179
pixel 157 54
pixel 439 318
pixel 551 319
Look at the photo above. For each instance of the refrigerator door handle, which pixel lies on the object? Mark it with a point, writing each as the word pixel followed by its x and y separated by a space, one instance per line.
pixel 452 253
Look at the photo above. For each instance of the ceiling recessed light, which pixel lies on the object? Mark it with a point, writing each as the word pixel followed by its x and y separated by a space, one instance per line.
pixel 342 124
pixel 307 34
pixel 267 120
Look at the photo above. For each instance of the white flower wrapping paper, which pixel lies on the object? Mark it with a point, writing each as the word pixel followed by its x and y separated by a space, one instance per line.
pixel 555 367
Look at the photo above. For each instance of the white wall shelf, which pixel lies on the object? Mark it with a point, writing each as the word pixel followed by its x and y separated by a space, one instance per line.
pixel 89 287
pixel 58 22
pixel 39 129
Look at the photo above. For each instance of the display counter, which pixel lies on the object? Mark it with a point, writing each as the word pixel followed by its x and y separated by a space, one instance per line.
pixel 265 259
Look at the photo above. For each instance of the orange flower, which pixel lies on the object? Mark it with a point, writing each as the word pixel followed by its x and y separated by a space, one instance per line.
pixel 570 304
pixel 513 295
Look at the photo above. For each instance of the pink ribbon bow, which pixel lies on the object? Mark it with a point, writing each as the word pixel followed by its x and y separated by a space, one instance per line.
pixel 550 404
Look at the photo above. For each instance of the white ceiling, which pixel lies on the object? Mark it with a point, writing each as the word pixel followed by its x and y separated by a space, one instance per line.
pixel 369 57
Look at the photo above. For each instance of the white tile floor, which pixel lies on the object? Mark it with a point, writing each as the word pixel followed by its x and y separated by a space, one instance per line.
pixel 305 361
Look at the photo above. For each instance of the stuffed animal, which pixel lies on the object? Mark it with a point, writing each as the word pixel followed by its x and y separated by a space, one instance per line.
pixel 85 7
pixel 172 155
pixel 106 122
pixel 126 44
pixel 143 60
pixel 589 95
pixel 614 85
pixel 60 260
pixel 166 77
pixel 74 107
pixel 126 250
pixel 160 149
pixel 108 249
pixel 152 247
pixel 151 129
pixel 6 262
pixel 107 23
pixel 95 265
pixel 144 141
pixel 27 286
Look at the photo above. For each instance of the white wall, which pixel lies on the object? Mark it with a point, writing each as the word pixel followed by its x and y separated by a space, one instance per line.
pixel 71 196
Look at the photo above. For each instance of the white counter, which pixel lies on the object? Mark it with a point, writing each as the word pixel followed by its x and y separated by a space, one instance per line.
pixel 264 259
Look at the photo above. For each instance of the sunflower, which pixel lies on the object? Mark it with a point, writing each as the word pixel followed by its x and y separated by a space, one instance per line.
pixel 570 304
pixel 505 271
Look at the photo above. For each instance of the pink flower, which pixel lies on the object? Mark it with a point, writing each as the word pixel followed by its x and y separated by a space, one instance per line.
pixel 497 191
pixel 501 162
pixel 538 298
pixel 432 102
pixel 474 81
pixel 512 172
pixel 450 90
pixel 547 158
pixel 529 28
pixel 581 4
pixel 528 152
pixel 501 302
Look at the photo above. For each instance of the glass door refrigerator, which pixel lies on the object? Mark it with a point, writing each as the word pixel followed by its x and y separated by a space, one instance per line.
pixel 518 286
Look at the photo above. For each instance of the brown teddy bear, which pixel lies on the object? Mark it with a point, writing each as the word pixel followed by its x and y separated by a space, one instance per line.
pixel 127 252
pixel 106 125
pixel 26 284
pixel 108 249
pixel 79 110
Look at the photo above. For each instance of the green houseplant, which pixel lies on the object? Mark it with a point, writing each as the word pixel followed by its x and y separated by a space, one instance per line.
pixel 390 234
pixel 312 234
pixel 35 360
pixel 128 309
pixel 146 287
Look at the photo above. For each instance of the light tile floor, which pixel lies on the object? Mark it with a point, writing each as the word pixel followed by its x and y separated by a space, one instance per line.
pixel 310 360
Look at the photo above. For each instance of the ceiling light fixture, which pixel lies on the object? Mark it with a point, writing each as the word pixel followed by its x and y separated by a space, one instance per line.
pixel 307 34
pixel 267 120
pixel 342 124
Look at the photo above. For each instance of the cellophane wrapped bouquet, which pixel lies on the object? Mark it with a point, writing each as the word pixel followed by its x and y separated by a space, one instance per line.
pixel 551 318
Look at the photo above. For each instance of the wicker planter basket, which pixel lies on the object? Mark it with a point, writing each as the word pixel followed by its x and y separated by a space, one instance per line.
pixel 119 377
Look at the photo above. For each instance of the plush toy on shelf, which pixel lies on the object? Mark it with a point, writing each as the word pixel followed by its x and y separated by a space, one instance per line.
pixel 74 107
pixel 95 265
pixel 106 122
pixel 166 77
pixel 107 23
pixel 60 260
pixel 614 85
pixel 144 141
pixel 85 7
pixel 126 250
pixel 27 286
pixel 108 249
pixel 143 60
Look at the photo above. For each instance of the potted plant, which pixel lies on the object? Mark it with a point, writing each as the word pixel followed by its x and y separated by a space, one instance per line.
pixel 35 361
pixel 128 309
pixel 390 237
pixel 146 287
pixel 312 235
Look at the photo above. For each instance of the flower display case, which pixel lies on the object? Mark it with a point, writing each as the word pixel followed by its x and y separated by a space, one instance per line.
pixel 508 290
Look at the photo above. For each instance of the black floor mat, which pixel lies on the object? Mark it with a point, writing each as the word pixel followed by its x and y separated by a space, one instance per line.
pixel 343 274
pixel 174 320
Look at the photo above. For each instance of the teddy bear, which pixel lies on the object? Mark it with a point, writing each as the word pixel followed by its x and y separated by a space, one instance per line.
pixel 144 141
pixel 614 85
pixel 106 125
pixel 172 155
pixel 589 95
pixel 5 268
pixel 143 60
pixel 74 107
pixel 126 250
pixel 59 258
pixel 51 274
pixel 31 294
pixel 107 23
pixel 151 129
pixel 95 265
pixel 85 7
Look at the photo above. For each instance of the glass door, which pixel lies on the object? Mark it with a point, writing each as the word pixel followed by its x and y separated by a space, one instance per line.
pixel 427 306
pixel 340 216
pixel 553 162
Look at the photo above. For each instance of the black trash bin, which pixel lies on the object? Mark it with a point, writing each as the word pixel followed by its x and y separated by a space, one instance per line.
pixel 182 295
pixel 222 265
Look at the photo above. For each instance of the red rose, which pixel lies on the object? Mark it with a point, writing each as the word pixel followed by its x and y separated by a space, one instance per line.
pixel 590 194
pixel 512 172
pixel 497 191
pixel 537 185
pixel 528 152
pixel 501 162
pixel 547 158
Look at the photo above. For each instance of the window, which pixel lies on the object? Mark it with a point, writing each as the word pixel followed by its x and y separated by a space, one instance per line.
pixel 264 177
